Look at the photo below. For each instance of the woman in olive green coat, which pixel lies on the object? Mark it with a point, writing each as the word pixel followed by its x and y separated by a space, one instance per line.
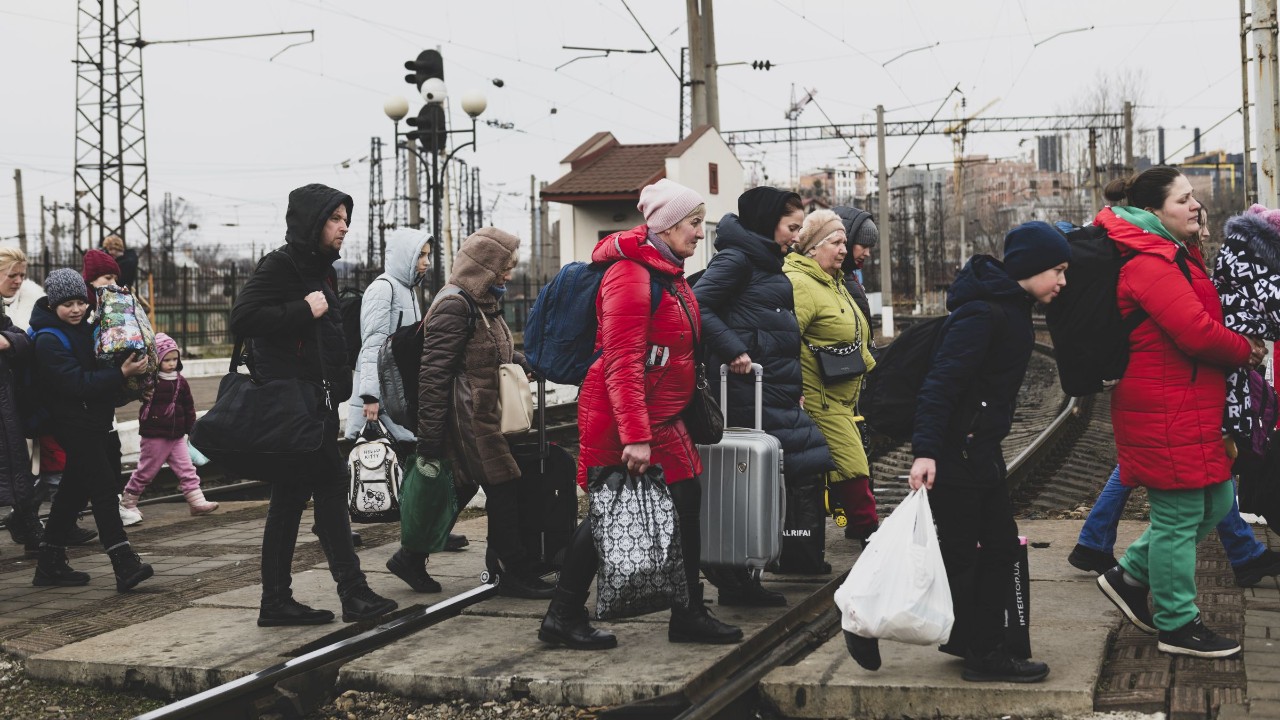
pixel 830 320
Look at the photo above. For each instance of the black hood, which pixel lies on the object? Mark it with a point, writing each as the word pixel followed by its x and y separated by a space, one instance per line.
pixel 760 209
pixel 309 209
pixel 763 251
pixel 852 218
pixel 983 278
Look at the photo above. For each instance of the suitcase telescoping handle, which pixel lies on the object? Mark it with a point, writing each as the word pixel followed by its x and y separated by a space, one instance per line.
pixel 543 450
pixel 756 369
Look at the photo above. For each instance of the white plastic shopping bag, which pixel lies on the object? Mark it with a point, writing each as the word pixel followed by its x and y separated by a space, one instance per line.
pixel 897 590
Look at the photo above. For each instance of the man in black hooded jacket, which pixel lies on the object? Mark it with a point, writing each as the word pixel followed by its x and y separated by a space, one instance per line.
pixel 289 313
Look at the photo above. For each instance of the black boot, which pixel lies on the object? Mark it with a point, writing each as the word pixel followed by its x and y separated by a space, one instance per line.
pixel 17 525
pixel 291 612
pixel 517 579
pixel 864 651
pixel 365 604
pixel 748 592
pixel 566 624
pixel 31 548
pixel 694 623
pixel 130 570
pixel 52 569
pixel 413 571
pixel 455 543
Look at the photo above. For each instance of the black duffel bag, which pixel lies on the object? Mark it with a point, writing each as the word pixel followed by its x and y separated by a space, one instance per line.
pixel 264 429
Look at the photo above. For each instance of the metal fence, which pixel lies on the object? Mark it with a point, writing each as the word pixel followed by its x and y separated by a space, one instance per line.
pixel 192 303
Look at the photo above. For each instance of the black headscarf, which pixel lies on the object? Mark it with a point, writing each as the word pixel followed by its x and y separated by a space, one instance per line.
pixel 760 209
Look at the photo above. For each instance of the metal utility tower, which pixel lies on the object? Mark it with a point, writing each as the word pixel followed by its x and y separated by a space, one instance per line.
pixel 377 205
pixel 111 147
pixel 793 118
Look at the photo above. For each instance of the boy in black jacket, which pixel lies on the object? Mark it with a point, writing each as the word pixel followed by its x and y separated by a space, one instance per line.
pixel 965 410
pixel 80 399
pixel 289 312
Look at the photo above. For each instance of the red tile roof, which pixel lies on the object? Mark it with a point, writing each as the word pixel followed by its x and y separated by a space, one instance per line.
pixel 604 169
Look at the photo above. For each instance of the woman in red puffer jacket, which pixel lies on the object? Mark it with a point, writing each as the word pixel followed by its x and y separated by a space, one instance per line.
pixel 630 402
pixel 1167 409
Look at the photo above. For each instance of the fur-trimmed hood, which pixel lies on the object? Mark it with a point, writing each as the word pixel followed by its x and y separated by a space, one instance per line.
pixel 1255 236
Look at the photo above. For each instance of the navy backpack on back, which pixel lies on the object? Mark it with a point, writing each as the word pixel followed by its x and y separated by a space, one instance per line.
pixel 560 332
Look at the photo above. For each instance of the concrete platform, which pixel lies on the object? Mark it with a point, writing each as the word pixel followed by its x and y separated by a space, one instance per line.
pixel 490 652
pixel 1070 622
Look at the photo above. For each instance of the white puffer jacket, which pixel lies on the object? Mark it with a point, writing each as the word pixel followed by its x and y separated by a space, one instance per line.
pixel 389 303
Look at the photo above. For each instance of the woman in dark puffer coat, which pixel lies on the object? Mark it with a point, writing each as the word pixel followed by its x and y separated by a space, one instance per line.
pixel 748 311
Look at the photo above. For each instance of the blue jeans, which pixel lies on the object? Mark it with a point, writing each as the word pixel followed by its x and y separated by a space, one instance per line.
pixel 1099 531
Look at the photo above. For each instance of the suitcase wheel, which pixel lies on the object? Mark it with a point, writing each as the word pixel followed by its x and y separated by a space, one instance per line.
pixel 756 573
pixel 486 577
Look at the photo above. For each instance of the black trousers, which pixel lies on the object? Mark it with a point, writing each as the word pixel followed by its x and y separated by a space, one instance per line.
pixel 980 581
pixel 581 561
pixel 327 485
pixel 89 477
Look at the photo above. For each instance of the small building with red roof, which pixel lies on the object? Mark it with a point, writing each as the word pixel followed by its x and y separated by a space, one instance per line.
pixel 602 179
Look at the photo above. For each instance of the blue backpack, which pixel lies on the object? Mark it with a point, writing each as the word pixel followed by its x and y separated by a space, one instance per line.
pixel 34 415
pixel 560 332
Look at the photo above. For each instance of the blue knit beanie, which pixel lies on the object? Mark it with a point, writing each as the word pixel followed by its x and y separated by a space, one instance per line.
pixel 65 284
pixel 1031 248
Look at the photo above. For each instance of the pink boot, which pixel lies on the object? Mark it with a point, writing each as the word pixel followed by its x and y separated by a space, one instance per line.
pixel 200 506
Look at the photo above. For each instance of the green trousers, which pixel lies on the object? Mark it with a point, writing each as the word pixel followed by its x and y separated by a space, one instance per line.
pixel 1164 558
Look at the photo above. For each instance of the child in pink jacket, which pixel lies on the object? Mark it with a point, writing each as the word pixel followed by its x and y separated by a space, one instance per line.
pixel 164 421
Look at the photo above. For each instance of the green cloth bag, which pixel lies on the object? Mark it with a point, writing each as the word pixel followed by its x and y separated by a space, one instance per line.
pixel 427 505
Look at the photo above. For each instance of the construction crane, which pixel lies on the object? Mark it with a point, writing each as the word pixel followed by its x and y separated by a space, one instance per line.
pixel 957 132
pixel 793 116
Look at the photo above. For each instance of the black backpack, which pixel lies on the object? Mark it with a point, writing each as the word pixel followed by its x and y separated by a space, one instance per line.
pixel 400 361
pixel 349 301
pixel 888 400
pixel 1090 338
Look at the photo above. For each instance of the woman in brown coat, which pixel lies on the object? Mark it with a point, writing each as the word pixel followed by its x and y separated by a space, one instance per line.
pixel 466 339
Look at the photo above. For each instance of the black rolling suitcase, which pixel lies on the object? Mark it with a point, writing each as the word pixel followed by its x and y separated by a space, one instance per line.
pixel 548 494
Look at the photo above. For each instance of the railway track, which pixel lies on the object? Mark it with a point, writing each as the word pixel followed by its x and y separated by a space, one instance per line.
pixel 1054 437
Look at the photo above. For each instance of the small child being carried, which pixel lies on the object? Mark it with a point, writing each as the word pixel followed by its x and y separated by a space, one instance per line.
pixel 163 423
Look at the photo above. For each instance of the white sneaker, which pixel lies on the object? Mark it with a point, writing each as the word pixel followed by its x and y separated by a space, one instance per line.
pixel 130 516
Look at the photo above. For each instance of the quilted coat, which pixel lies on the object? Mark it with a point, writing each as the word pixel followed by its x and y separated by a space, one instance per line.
pixel 1247 274
pixel 623 401
pixel 968 399
pixel 389 303
pixel 15 462
pixel 458 416
pixel 828 315
pixel 1167 409
pixel 748 306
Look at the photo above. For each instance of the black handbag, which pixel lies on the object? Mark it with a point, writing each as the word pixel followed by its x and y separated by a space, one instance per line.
pixel 838 363
pixel 265 429
pixel 703 418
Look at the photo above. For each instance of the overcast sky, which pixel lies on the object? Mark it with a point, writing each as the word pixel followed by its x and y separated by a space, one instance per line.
pixel 232 132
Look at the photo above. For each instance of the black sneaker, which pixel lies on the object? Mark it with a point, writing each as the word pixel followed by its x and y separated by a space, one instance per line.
pixel 1131 600
pixel 1252 572
pixel 1090 560
pixel 1000 666
pixel 365 604
pixel 1196 640
pixel 291 612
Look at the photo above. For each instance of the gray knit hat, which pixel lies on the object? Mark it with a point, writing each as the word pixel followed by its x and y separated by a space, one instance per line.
pixel 65 284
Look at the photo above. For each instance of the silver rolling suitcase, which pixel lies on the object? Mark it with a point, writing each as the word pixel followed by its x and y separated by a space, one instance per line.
pixel 743 496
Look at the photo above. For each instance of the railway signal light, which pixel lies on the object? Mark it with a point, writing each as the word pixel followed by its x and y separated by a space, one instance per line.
pixel 430 130
pixel 429 64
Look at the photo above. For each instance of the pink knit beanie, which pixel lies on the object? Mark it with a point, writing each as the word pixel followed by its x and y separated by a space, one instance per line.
pixel 666 203
pixel 1272 217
